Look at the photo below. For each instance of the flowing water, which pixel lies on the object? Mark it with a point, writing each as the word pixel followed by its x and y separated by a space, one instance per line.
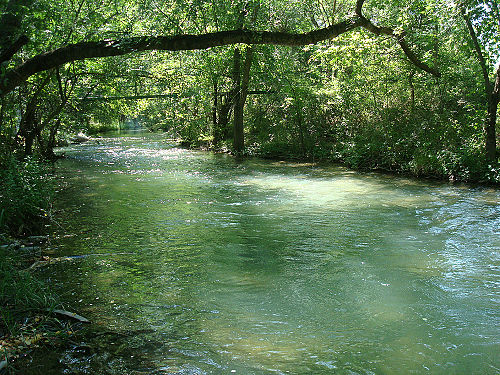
pixel 192 263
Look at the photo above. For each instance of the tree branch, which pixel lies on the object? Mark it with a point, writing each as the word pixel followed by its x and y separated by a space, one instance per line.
pixel 9 52
pixel 413 58
pixel 400 38
pixel 359 6
pixel 477 47
pixel 496 87
pixel 86 50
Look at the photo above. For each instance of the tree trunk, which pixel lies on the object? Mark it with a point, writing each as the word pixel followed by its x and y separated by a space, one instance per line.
pixel 241 81
pixel 27 130
pixel 224 115
pixel 2 111
pixel 214 113
pixel 238 136
pixel 490 131
pixel 298 109
pixel 245 80
pixel 412 90
pixel 220 115
pixel 492 94
pixel 490 128
pixel 48 150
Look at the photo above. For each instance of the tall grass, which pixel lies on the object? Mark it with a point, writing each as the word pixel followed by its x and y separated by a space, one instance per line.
pixel 21 295
pixel 26 190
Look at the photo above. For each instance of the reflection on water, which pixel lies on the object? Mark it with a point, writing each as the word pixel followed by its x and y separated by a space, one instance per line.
pixel 199 265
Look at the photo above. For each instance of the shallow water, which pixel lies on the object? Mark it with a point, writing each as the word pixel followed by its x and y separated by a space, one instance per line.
pixel 197 264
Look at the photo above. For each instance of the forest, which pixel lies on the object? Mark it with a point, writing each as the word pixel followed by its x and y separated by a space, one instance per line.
pixel 398 86
pixel 408 88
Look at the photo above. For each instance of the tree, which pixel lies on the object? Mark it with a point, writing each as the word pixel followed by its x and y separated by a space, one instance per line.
pixel 486 15
pixel 348 88
pixel 118 47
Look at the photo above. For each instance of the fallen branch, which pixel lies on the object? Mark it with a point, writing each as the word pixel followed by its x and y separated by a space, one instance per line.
pixel 41 263
pixel 70 315
pixel 47 260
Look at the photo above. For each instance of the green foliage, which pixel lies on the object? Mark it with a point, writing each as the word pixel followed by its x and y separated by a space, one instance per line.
pixel 25 195
pixel 418 146
pixel 355 99
pixel 20 293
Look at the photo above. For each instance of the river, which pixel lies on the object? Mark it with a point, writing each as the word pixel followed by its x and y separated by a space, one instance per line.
pixel 189 262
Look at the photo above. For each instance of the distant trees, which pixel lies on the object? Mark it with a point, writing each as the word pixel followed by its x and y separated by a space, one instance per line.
pixel 389 85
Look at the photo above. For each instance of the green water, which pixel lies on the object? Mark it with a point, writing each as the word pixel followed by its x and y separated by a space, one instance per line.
pixel 197 264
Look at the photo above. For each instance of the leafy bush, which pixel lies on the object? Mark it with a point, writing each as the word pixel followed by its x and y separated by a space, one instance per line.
pixel 26 190
pixel 421 143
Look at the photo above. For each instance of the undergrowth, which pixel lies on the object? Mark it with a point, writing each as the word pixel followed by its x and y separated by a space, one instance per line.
pixel 21 294
pixel 26 190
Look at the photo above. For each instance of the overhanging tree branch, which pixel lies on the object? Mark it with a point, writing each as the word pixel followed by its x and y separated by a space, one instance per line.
pixel 477 48
pixel 86 50
pixel 400 38
pixel 105 48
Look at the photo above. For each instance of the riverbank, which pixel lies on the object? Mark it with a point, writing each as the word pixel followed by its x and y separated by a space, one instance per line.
pixel 475 173
pixel 32 317
pixel 24 299
pixel 362 158
pixel 27 319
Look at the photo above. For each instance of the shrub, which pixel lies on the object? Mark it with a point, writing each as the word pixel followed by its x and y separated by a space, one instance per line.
pixel 26 190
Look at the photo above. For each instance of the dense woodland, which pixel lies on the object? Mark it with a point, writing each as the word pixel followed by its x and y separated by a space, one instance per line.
pixel 406 86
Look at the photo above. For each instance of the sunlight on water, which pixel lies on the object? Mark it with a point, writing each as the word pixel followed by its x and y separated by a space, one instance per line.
pixel 338 192
pixel 196 264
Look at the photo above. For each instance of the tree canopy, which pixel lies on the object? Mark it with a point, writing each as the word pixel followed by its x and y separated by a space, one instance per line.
pixel 184 42
pixel 396 85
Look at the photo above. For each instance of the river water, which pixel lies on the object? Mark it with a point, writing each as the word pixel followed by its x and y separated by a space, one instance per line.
pixel 193 263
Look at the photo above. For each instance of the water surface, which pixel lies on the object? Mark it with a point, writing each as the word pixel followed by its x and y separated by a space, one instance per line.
pixel 194 263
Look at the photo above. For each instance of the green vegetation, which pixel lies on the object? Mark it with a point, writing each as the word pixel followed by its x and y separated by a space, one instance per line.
pixel 26 192
pixel 21 295
pixel 401 86
pixel 25 198
pixel 25 195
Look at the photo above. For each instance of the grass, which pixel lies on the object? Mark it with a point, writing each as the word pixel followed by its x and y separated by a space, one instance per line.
pixel 21 295
pixel 26 191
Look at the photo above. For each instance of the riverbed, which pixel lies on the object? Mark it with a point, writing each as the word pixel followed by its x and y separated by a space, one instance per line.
pixel 189 262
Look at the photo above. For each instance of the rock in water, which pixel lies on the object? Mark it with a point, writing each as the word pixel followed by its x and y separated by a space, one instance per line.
pixel 80 138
